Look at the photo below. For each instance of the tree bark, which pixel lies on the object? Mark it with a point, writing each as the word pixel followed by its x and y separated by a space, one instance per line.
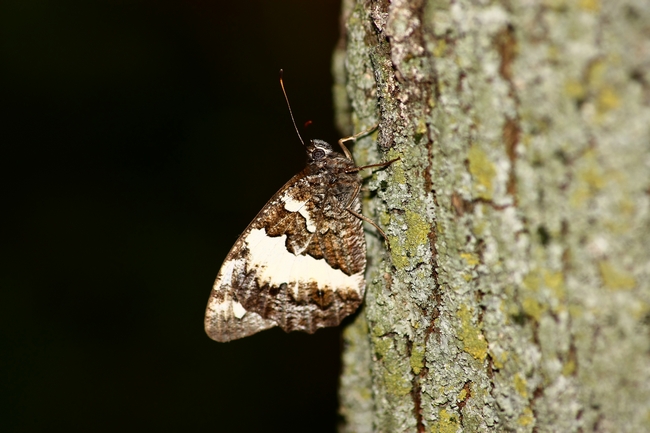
pixel 515 294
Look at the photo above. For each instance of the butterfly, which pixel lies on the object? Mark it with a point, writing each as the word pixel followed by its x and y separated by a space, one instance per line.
pixel 300 263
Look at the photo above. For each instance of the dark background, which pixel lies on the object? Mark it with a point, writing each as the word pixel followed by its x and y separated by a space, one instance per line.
pixel 139 138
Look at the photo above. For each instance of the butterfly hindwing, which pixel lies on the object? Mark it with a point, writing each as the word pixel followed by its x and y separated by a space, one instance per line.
pixel 300 263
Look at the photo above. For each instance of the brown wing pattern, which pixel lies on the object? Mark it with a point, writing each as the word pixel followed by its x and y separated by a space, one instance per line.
pixel 299 265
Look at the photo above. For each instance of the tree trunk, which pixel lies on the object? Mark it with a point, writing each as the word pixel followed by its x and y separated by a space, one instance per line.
pixel 515 294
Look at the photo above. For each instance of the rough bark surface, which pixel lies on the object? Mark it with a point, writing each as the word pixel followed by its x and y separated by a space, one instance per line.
pixel 515 295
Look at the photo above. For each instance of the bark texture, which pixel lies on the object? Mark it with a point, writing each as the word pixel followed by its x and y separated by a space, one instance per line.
pixel 516 294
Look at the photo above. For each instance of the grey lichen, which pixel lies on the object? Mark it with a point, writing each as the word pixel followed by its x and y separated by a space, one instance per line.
pixel 515 295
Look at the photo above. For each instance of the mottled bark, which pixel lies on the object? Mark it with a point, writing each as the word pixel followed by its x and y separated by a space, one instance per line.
pixel 516 294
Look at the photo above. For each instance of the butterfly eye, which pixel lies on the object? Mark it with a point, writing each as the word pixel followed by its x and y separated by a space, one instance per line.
pixel 318 154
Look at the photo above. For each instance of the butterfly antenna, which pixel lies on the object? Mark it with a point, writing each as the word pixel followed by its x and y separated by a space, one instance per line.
pixel 289 105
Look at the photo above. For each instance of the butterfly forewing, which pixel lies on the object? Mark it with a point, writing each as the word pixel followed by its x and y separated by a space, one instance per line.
pixel 300 263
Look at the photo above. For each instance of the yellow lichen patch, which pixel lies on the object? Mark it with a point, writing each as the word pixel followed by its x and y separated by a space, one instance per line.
pixel 470 258
pixel 521 385
pixel 526 418
pixel 532 281
pixel 575 311
pixel 378 330
pixel 590 5
pixel 555 282
pixel 382 346
pixel 558 5
pixel 553 53
pixel 384 219
pixel 596 73
pixel 483 172
pixel 607 100
pixel 447 422
pixel 440 48
pixel 591 172
pixel 395 378
pixel 580 195
pixel 626 206
pixel 431 101
pixel 461 395
pixel 422 128
pixel 615 279
pixel 575 89
pixel 396 384
pixel 397 253
pixel 397 167
pixel 640 311
pixel 533 308
pixel 417 232
pixel 473 340
pixel 606 97
pixel 417 359
pixel 513 309
pixel 569 368
pixel 590 179
pixel 479 227
pixel 499 360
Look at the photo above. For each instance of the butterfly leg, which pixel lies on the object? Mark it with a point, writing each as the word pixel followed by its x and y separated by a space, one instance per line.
pixel 354 138
pixel 380 164
pixel 371 222
pixel 362 217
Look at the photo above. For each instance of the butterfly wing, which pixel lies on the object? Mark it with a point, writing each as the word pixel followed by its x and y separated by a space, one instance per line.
pixel 299 264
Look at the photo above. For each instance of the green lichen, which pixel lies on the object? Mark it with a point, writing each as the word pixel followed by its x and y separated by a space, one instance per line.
pixel 417 358
pixel 440 48
pixel 569 368
pixel 397 384
pixel 590 5
pixel 447 422
pixel 607 100
pixel 417 232
pixel 591 172
pixel 471 259
pixel 532 281
pixel 397 253
pixel 606 96
pixel 395 379
pixel 500 359
pixel 521 385
pixel 479 227
pixel 483 172
pixel 421 130
pixel 555 282
pixel 575 89
pixel 473 341
pixel 615 279
pixel 398 173
pixel 382 346
pixel 384 218
pixel 533 308
pixel 527 418
pixel 590 179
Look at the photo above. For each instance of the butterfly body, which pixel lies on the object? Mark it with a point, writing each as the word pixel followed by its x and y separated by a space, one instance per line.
pixel 300 263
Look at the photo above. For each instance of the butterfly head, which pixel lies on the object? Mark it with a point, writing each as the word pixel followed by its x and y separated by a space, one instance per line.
pixel 318 151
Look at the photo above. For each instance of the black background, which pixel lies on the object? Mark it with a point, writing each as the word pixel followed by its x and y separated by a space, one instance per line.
pixel 139 138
